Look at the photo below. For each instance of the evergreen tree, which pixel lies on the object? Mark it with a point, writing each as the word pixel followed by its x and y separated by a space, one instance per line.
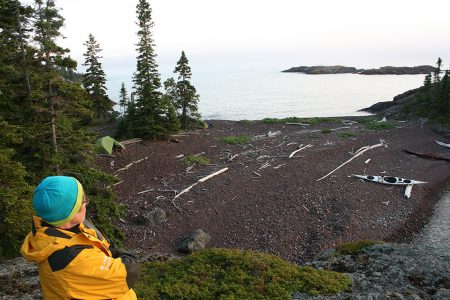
pixel 150 111
pixel 427 82
pixel 437 76
pixel 123 98
pixel 15 204
pixel 42 127
pixel 47 27
pixel 94 79
pixel 186 98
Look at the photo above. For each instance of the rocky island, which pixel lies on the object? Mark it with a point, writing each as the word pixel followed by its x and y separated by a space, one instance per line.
pixel 387 70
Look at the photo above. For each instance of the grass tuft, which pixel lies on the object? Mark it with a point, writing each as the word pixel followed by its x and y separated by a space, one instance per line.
pixel 346 134
pixel 375 125
pixel 236 140
pixel 325 130
pixel 192 159
pixel 234 274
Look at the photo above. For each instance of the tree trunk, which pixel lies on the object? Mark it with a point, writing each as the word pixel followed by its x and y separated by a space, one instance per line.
pixel 52 107
pixel 22 50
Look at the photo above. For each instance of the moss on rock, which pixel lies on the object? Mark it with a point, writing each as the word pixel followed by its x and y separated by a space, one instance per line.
pixel 355 247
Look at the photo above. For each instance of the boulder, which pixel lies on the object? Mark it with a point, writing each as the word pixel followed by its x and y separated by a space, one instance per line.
pixel 196 241
pixel 155 216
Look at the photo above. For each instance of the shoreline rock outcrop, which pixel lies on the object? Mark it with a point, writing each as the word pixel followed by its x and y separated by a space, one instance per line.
pixel 386 70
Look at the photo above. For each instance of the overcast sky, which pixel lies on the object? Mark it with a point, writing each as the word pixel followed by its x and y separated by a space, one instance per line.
pixel 240 34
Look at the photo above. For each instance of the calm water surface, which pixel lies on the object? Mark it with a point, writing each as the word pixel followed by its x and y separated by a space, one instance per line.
pixel 260 94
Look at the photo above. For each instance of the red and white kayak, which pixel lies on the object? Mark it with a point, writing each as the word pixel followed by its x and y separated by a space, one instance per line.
pixel 389 180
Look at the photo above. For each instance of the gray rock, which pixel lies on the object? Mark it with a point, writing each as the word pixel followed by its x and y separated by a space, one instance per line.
pixel 155 216
pixel 442 294
pixel 326 254
pixel 196 241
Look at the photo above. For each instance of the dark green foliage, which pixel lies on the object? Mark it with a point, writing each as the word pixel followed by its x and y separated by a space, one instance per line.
pixel 437 73
pixel 43 122
pixel 234 274
pixel 245 122
pixel 325 130
pixel 433 100
pixel 236 140
pixel 70 74
pixel 123 98
pixel 148 113
pixel 103 207
pixel 309 121
pixel 173 123
pixel 15 196
pixel 192 159
pixel 356 247
pixel 94 79
pixel 183 94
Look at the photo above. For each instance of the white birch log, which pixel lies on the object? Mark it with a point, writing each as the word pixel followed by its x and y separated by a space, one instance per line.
pixel 358 153
pixel 300 149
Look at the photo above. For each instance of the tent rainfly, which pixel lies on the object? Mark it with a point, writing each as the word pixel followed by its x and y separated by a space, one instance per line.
pixel 106 145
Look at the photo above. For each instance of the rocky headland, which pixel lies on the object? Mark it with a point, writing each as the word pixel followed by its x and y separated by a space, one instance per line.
pixel 387 70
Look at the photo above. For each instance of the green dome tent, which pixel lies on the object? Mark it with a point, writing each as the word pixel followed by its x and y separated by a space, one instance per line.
pixel 106 145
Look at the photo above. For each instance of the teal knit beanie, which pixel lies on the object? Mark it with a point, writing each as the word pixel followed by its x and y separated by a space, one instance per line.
pixel 57 199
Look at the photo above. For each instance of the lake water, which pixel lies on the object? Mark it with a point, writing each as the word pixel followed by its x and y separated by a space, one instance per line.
pixel 260 94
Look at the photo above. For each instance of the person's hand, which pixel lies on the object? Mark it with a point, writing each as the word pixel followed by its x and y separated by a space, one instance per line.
pixel 118 252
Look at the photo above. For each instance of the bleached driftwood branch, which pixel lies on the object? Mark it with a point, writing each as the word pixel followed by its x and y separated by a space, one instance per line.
pixel 198 181
pixel 264 136
pixel 131 141
pixel 299 149
pixel 301 124
pixel 130 164
pixel 358 153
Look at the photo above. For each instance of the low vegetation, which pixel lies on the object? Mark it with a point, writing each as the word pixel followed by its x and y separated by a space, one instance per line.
pixel 356 247
pixel 234 274
pixel 325 130
pixel 376 125
pixel 346 134
pixel 309 121
pixel 194 159
pixel 236 139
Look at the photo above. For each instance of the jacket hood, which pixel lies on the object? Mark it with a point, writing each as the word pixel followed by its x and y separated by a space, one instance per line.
pixel 37 245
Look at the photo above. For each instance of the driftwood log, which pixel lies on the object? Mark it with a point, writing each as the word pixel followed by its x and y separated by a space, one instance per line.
pixel 358 153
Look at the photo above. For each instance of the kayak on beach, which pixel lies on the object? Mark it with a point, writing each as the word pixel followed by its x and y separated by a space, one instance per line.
pixel 389 180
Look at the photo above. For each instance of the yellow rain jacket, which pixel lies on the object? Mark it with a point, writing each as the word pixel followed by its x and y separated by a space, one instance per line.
pixel 79 264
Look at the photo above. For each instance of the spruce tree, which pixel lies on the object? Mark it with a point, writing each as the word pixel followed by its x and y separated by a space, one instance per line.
pixel 123 98
pixel 150 111
pixel 94 79
pixel 437 73
pixel 186 98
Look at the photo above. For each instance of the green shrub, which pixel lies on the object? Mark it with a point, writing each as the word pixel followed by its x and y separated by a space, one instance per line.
pixel 234 274
pixel 325 130
pixel 236 140
pixel 346 134
pixel 245 121
pixel 355 247
pixel 192 159
pixel 375 125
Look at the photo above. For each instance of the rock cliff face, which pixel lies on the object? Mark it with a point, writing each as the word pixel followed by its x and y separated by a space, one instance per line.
pixel 388 70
